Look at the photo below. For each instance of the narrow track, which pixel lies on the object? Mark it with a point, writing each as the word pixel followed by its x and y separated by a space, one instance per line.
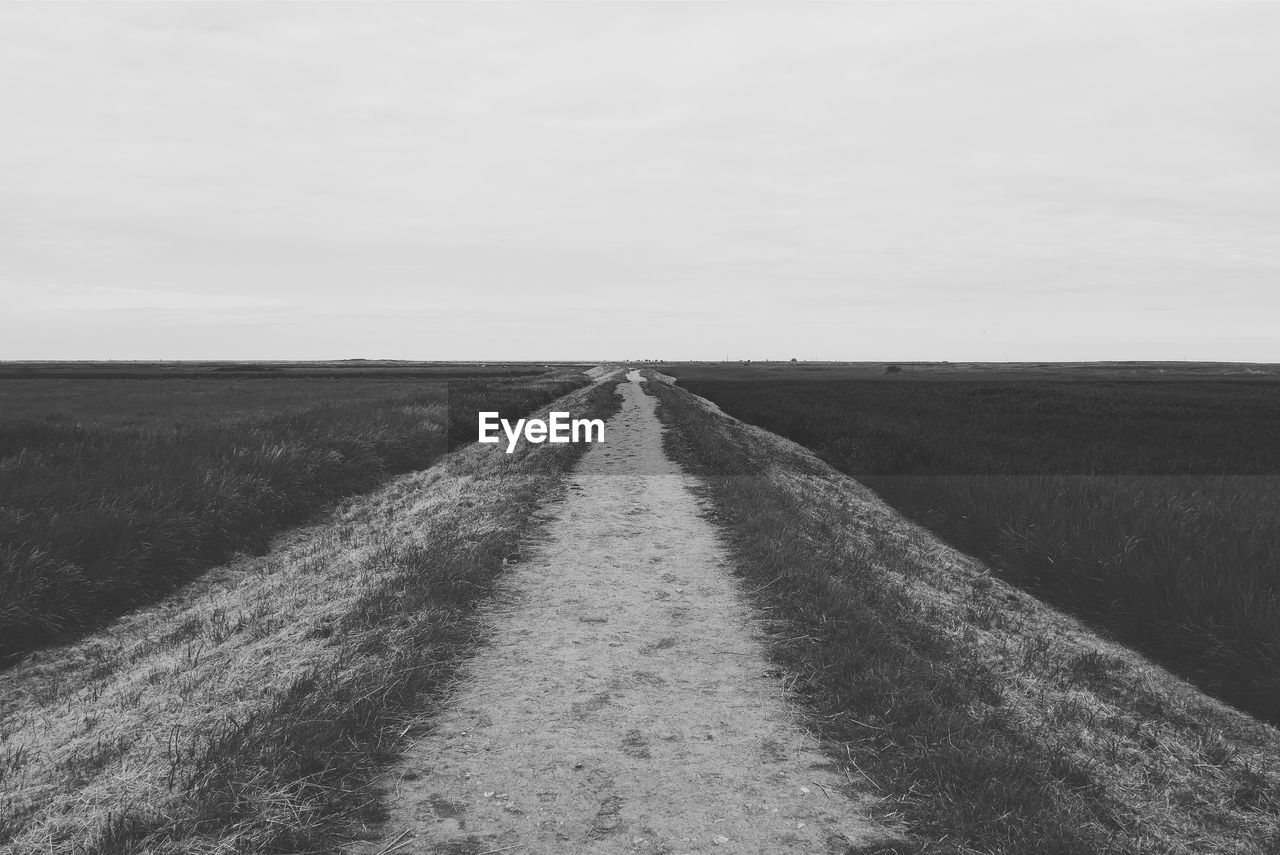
pixel 622 701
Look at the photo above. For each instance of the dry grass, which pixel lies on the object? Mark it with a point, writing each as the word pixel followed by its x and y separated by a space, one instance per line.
pixel 1149 507
pixel 109 512
pixel 250 713
pixel 988 721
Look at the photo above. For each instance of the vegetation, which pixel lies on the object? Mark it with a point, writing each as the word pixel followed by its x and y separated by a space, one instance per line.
pixel 1152 508
pixel 253 711
pixel 981 721
pixel 363 369
pixel 113 491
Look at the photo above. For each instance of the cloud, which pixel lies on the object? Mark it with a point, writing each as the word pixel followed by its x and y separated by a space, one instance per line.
pixel 807 170
pixel 53 299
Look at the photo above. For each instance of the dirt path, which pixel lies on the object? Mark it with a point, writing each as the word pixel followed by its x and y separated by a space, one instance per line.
pixel 622 702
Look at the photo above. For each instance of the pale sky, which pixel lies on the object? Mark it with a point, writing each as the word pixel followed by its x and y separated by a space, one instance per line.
pixel 903 181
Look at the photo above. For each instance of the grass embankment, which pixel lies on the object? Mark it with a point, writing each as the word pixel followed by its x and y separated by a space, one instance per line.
pixel 1151 508
pixel 985 721
pixel 251 712
pixel 112 492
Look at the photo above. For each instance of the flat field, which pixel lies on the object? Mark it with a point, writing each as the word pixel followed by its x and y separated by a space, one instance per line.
pixel 1143 497
pixel 549 650
pixel 120 481
pixel 254 709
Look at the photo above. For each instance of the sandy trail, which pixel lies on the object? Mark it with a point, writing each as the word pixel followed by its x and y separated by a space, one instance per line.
pixel 622 701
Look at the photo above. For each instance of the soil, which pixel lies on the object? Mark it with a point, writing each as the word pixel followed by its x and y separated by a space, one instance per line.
pixel 621 700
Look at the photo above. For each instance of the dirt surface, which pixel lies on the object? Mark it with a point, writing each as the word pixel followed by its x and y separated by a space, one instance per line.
pixel 622 701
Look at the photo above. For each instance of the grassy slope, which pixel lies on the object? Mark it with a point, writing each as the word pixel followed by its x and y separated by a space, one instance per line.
pixel 251 713
pixel 1150 507
pixel 985 720
pixel 105 513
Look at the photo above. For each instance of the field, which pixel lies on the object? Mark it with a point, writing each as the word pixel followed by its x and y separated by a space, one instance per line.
pixel 981 720
pixel 120 482
pixel 291 608
pixel 254 709
pixel 1145 498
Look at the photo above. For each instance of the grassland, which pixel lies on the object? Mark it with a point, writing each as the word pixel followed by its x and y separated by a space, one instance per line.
pixel 119 485
pixel 1146 499
pixel 252 711
pixel 981 720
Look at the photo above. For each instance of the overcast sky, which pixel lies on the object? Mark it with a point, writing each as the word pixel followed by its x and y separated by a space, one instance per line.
pixel 485 181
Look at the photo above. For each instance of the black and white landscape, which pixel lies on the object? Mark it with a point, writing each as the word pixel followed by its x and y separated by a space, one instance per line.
pixel 661 428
